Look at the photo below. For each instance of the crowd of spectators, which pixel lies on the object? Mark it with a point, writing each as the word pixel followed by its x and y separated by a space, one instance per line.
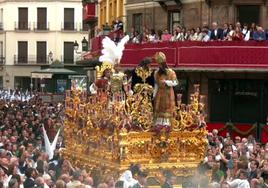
pixel 238 163
pixel 229 32
pixel 23 160
pixel 225 32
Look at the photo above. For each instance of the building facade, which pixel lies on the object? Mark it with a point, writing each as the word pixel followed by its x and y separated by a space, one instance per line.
pixel 36 33
pixel 109 11
pixel 165 14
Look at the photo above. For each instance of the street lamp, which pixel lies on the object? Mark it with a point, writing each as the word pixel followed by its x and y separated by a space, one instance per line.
pixel 50 57
pixel 76 46
pixel 84 45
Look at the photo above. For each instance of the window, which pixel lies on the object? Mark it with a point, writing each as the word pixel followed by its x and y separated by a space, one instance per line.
pixel 1 19
pixel 22 52
pixel 1 82
pixel 41 19
pixel 69 19
pixel 137 22
pixel 174 20
pixel 41 52
pixel 68 54
pixel 22 82
pixel 23 19
pixel 248 14
pixel 2 58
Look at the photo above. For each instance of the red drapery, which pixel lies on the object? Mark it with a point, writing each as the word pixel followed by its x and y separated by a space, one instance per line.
pixel 213 54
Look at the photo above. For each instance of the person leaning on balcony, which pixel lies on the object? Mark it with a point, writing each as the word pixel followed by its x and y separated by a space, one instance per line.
pixel 198 34
pixel 205 35
pixel 238 35
pixel 216 32
pixel 192 36
pixel 259 35
pixel 225 31
pixel 166 36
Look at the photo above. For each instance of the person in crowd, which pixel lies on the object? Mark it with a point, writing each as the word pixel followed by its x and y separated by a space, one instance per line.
pixel 225 31
pixel 136 38
pixel 170 180
pixel 166 36
pixel 198 34
pixel 238 35
pixel 231 32
pixel 240 181
pixel 192 35
pixel 152 36
pixel 216 32
pixel 205 34
pixel 259 35
pixel 141 180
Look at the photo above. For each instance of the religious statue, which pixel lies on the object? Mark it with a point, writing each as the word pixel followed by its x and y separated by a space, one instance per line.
pixel 143 74
pixel 102 83
pixel 164 98
pixel 112 80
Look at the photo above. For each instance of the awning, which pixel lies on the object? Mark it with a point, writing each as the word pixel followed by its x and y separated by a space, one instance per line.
pixel 41 75
pixel 49 72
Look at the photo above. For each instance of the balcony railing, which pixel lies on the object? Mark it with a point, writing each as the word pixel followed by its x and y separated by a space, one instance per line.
pixel 25 26
pixel 69 26
pixel 41 26
pixel 30 60
pixel 218 55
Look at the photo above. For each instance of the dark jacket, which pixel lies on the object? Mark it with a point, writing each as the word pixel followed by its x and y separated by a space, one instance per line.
pixel 166 185
pixel 218 36
pixel 29 183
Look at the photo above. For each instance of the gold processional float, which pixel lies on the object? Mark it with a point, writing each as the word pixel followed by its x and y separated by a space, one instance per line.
pixel 110 135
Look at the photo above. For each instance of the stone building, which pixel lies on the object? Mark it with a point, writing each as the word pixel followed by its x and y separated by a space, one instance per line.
pixel 164 14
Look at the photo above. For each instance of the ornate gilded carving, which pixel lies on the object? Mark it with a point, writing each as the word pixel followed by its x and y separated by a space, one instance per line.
pixel 114 135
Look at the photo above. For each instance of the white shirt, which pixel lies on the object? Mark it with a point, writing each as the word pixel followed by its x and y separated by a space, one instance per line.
pixel 206 38
pixel 239 183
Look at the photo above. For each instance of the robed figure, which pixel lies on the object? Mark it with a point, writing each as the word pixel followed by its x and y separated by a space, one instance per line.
pixel 164 97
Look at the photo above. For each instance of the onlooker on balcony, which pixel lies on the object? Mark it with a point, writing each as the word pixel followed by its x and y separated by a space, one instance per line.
pixel 152 36
pixel 238 24
pixel 225 31
pixel 205 35
pixel 238 35
pixel 192 36
pixel 216 32
pixel 231 32
pixel 246 32
pixel 166 36
pixel 198 34
pixel 184 34
pixel 178 34
pixel 205 26
pixel 259 35
pixel 136 38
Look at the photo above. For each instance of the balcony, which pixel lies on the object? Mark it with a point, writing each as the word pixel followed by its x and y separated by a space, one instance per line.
pixel 23 26
pixel 41 26
pixel 69 26
pixel 213 55
pixel 30 60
